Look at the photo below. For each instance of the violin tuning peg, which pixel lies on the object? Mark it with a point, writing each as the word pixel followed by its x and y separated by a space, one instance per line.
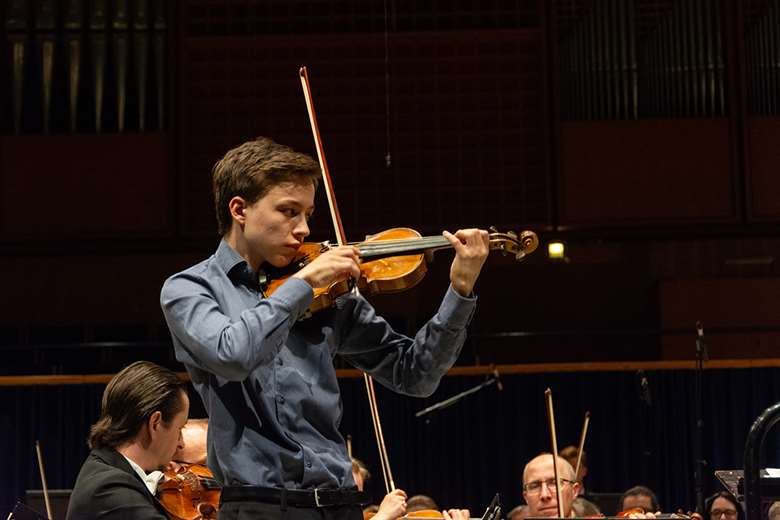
pixel 512 234
pixel 493 229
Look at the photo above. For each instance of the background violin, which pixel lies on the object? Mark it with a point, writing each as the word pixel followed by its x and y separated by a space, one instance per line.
pixel 391 261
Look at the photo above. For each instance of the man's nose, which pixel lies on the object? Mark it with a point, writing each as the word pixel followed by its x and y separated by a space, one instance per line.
pixel 180 443
pixel 545 491
pixel 301 228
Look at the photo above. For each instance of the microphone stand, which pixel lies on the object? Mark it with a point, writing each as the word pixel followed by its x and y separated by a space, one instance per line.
pixel 493 379
pixel 698 437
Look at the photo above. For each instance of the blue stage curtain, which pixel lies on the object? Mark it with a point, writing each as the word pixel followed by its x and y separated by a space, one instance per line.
pixel 464 454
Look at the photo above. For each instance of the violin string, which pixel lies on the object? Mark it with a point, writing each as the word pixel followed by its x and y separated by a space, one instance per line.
pixel 383 247
pixel 397 241
pixel 400 248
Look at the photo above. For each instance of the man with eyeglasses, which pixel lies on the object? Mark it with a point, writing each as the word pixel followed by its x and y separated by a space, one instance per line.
pixel 539 486
pixel 723 506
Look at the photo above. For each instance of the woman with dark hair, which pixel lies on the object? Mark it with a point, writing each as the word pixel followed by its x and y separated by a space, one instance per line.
pixel 723 506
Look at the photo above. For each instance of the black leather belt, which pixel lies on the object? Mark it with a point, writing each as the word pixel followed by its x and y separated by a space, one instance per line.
pixel 294 497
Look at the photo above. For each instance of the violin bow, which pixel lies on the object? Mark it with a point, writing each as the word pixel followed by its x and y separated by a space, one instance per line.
pixel 341 239
pixel 551 420
pixel 43 479
pixel 581 446
pixel 341 236
pixel 384 460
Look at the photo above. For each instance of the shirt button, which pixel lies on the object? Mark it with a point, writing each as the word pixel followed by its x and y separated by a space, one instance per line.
pixel 308 464
pixel 279 361
pixel 280 399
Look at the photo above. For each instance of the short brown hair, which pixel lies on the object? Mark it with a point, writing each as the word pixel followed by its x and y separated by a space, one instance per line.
pixel 420 503
pixel 130 398
pixel 570 453
pixel 253 168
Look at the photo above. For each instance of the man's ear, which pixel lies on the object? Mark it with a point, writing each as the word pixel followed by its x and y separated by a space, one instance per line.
pixel 155 423
pixel 237 207
pixel 576 489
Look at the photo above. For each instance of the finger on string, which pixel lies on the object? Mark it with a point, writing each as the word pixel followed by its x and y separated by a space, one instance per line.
pixel 456 243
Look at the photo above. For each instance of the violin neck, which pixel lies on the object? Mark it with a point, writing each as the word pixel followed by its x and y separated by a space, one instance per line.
pixel 407 246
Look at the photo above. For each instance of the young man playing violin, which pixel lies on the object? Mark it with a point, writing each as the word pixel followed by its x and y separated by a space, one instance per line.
pixel 144 408
pixel 266 376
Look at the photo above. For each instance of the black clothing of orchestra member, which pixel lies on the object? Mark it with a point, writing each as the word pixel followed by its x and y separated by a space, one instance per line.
pixel 107 483
pixel 143 411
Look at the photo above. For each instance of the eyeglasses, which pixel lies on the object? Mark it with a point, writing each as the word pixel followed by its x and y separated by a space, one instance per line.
pixel 717 513
pixel 535 487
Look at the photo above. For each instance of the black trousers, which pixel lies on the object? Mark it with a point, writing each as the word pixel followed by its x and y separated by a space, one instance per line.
pixel 246 510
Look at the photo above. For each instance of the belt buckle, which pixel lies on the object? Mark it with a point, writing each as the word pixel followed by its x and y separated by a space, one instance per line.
pixel 317 497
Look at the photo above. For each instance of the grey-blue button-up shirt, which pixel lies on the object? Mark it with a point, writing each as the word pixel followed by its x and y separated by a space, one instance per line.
pixel 267 379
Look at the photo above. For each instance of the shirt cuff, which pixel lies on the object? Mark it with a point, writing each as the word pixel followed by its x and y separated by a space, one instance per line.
pixel 456 310
pixel 295 294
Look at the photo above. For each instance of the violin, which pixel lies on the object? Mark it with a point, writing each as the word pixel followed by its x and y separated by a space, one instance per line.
pixel 189 493
pixel 492 512
pixel 422 513
pixel 642 511
pixel 392 261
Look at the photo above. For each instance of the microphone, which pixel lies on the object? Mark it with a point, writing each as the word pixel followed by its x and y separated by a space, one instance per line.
pixel 644 388
pixel 455 398
pixel 497 378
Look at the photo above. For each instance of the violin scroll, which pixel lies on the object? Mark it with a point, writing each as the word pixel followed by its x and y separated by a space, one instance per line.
pixel 510 243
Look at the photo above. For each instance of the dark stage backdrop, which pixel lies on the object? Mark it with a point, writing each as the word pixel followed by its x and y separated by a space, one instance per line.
pixel 464 454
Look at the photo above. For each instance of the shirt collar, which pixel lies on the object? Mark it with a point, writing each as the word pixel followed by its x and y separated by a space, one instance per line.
pixel 150 480
pixel 235 266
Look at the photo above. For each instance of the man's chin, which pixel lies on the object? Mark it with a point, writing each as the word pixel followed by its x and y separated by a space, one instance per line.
pixel 553 512
pixel 280 261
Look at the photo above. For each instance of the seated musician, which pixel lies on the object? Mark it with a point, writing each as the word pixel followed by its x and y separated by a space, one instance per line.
pixel 570 453
pixel 393 505
pixel 143 410
pixel 584 508
pixel 774 511
pixel 193 449
pixel 518 513
pixel 539 486
pixel 421 503
pixel 723 506
pixel 639 497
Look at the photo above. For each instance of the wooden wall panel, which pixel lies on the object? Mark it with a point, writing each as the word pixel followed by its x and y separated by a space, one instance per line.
pixel 88 289
pixel 764 160
pixel 740 316
pixel 466 123
pixel 621 173
pixel 98 185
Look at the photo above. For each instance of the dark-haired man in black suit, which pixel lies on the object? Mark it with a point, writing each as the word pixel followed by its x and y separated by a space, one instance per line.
pixel 143 411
